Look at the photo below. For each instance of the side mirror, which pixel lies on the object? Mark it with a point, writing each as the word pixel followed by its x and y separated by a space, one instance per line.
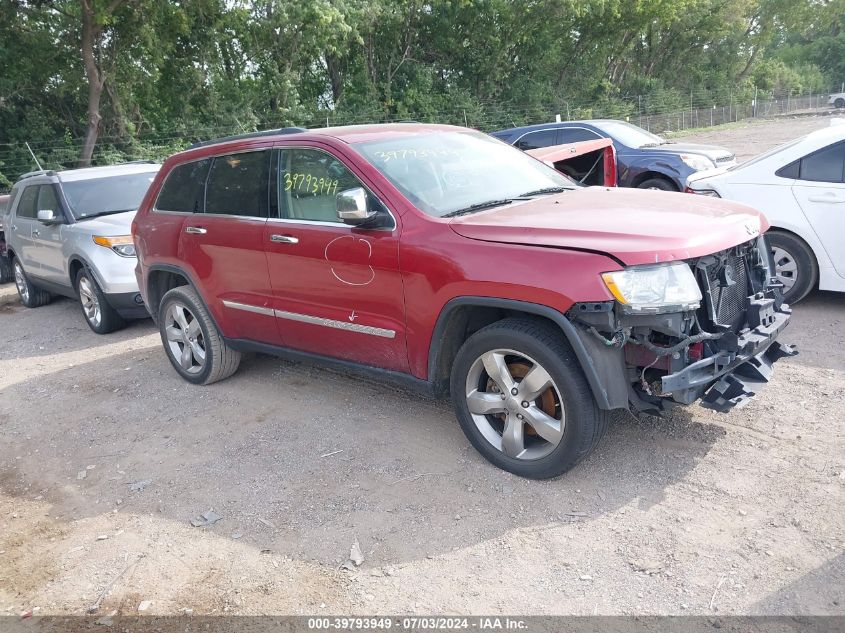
pixel 352 207
pixel 47 216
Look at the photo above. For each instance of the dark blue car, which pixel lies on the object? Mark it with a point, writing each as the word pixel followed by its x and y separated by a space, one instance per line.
pixel 644 160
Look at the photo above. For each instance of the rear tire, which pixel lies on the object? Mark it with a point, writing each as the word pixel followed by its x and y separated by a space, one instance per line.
pixel 191 340
pixel 6 272
pixel 795 264
pixel 31 295
pixel 839 103
pixel 535 446
pixel 100 316
pixel 657 183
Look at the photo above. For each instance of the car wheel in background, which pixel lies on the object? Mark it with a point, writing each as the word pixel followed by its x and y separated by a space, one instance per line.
pixel 6 272
pixel 795 264
pixel 31 296
pixel 101 317
pixel 839 103
pixel 191 340
pixel 522 399
pixel 657 183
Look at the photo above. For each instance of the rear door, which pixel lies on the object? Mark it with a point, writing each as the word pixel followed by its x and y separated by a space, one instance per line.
pixel 223 245
pixel 47 239
pixel 23 223
pixel 820 192
pixel 337 289
pixel 539 138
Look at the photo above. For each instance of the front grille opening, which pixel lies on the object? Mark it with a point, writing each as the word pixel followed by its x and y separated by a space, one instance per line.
pixel 725 288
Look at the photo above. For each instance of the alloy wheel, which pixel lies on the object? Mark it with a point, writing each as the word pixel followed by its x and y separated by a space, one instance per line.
pixel 786 268
pixel 20 282
pixel 90 302
pixel 185 340
pixel 515 404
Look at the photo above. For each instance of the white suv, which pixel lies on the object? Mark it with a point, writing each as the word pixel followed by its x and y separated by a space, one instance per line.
pixel 68 234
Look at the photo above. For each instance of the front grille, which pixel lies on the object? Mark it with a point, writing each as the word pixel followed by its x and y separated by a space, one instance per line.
pixel 726 289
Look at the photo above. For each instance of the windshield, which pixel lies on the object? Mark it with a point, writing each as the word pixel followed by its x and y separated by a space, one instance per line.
pixel 629 134
pixel 449 172
pixel 113 194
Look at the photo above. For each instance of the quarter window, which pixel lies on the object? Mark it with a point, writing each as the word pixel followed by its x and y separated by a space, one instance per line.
pixel 183 189
pixel 535 140
pixel 309 181
pixel 237 185
pixel 26 207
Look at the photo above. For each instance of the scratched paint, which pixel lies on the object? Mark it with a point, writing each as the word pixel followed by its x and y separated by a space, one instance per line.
pixel 349 260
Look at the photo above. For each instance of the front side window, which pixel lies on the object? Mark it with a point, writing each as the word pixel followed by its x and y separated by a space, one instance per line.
pixel 309 181
pixel 237 185
pixel 578 134
pixel 184 188
pixel 47 200
pixel 27 205
pixel 452 172
pixel 826 165
pixel 535 140
pixel 104 196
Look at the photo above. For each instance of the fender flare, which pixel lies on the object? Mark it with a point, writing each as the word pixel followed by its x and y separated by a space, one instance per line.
pixel 601 391
pixel 170 268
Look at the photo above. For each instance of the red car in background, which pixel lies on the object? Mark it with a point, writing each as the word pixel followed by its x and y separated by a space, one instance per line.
pixel 439 257
pixel 5 265
pixel 587 162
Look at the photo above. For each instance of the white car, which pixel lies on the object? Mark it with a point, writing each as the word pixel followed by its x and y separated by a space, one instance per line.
pixel 800 186
pixel 837 100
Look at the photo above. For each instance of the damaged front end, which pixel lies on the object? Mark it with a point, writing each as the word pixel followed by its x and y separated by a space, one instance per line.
pixel 719 349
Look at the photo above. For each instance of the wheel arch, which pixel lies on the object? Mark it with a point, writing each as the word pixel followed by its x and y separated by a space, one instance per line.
pixel 811 248
pixel 461 316
pixel 650 174
pixel 162 278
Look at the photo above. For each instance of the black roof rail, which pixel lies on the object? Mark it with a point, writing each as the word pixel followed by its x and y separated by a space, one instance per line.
pixel 238 137
pixel 38 172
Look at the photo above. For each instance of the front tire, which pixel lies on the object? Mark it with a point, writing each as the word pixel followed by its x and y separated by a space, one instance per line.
pixel 795 265
pixel 100 316
pixel 31 295
pixel 657 183
pixel 191 340
pixel 522 400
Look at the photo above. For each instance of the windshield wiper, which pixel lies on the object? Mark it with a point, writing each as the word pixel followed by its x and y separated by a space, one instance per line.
pixel 477 207
pixel 99 215
pixel 540 192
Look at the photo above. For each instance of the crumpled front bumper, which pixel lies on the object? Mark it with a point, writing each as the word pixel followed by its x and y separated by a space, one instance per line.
pixel 739 370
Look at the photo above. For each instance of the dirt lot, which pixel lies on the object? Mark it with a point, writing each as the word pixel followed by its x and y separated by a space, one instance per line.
pixel 697 513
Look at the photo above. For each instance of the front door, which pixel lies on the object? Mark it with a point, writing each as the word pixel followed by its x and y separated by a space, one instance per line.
pixel 223 242
pixel 820 192
pixel 337 290
pixel 47 239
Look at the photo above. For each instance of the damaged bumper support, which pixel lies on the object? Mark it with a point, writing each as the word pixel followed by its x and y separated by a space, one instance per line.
pixel 739 371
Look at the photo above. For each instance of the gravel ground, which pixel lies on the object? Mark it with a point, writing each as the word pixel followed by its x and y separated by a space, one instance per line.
pixel 107 455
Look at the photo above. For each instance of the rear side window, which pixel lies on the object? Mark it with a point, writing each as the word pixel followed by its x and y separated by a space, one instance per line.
pixel 183 189
pixel 535 140
pixel 26 207
pixel 238 185
pixel 826 165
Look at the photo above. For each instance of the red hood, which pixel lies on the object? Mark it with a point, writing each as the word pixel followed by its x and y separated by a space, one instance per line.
pixel 634 226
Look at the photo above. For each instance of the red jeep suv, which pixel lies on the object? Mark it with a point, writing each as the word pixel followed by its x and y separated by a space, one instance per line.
pixel 449 260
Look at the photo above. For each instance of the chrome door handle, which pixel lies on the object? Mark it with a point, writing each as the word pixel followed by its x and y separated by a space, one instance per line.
pixel 284 239
pixel 196 230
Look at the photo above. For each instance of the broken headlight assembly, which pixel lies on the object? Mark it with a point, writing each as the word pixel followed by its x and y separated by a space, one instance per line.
pixel 654 289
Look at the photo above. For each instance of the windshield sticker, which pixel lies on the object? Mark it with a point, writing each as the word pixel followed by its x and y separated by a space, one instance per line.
pixel 404 154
